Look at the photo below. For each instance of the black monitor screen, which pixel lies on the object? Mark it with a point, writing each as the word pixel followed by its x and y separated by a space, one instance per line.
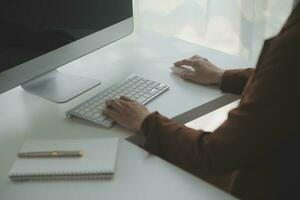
pixel 30 28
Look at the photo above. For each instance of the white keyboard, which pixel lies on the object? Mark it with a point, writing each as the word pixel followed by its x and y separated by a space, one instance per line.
pixel 137 88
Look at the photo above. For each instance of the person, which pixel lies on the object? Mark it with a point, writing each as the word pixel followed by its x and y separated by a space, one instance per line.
pixel 260 139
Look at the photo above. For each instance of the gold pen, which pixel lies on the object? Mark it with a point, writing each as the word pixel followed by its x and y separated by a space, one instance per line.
pixel 50 154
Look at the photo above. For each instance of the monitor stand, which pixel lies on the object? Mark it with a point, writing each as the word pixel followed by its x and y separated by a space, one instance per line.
pixel 59 87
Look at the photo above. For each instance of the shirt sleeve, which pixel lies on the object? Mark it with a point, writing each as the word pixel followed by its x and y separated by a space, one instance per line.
pixel 174 142
pixel 234 81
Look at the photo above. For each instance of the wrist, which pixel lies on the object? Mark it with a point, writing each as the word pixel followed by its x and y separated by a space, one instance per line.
pixel 219 77
pixel 139 128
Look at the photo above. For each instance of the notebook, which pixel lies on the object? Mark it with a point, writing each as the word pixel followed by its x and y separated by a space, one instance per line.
pixel 98 160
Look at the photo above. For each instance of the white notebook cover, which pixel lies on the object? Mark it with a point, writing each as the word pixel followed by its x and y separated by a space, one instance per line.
pixel 98 160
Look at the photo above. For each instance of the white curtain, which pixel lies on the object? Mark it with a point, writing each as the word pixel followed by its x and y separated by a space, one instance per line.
pixel 236 27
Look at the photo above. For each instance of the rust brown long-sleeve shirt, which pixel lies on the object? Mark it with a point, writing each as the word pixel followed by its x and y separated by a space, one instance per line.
pixel 261 136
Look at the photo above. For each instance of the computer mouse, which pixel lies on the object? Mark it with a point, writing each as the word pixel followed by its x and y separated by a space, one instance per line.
pixel 179 69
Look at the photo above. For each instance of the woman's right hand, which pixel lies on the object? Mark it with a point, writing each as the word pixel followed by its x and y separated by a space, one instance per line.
pixel 204 72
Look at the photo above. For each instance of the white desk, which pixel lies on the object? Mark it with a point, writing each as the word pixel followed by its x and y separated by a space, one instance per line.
pixel 138 176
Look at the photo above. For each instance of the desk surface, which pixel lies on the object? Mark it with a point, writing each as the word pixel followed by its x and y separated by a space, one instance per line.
pixel 138 175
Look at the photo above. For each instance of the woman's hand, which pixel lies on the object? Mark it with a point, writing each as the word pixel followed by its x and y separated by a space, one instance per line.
pixel 204 72
pixel 126 112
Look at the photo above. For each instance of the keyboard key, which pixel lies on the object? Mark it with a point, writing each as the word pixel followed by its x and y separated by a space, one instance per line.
pixel 88 114
pixel 153 91
pixel 82 112
pixel 141 99
pixel 95 116
pixel 107 123
pixel 161 86
pixel 147 95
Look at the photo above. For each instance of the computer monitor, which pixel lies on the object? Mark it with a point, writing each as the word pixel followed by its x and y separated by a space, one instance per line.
pixel 37 37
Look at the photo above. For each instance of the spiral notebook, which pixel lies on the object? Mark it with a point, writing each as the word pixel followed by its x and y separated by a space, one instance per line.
pixel 98 160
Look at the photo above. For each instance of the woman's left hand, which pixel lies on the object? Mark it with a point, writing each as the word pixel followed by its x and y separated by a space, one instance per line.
pixel 126 112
